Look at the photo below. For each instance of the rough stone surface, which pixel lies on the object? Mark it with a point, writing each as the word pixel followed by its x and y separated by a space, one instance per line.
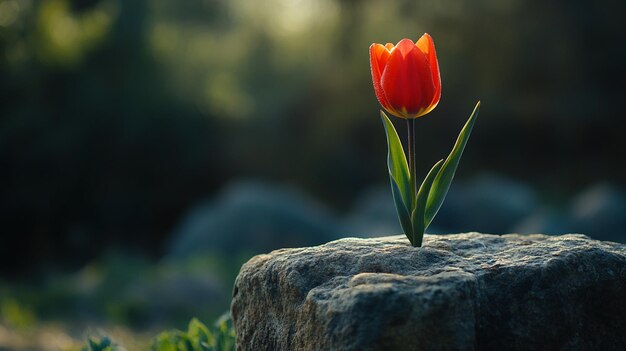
pixel 457 292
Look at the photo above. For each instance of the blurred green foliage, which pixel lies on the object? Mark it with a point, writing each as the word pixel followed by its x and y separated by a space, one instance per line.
pixel 116 116
pixel 99 344
pixel 124 290
pixel 198 337
pixel 16 315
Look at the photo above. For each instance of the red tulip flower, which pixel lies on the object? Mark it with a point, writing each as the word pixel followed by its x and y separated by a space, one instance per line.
pixel 406 76
pixel 407 84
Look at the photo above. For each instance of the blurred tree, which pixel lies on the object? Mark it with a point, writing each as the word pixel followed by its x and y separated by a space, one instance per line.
pixel 92 141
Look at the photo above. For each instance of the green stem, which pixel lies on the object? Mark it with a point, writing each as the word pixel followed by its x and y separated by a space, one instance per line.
pixel 411 152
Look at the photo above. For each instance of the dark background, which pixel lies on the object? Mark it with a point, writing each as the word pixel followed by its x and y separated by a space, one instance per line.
pixel 119 117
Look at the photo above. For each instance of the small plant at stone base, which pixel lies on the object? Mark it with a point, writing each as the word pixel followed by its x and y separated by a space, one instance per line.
pixel 408 85
pixel 100 344
pixel 198 337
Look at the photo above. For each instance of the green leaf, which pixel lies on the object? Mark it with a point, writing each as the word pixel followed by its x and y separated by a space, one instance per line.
pixel 403 212
pixel 396 162
pixel 419 222
pixel 173 340
pixel 225 333
pixel 199 335
pixel 103 344
pixel 442 182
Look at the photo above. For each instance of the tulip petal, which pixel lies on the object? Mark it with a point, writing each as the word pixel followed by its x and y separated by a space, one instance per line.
pixel 427 45
pixel 406 81
pixel 379 55
pixel 404 46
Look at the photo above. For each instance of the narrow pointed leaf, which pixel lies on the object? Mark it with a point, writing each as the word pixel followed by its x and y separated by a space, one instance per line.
pixel 442 182
pixel 417 218
pixel 396 162
pixel 403 212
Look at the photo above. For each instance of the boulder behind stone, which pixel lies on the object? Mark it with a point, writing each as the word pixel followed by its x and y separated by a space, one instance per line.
pixel 249 218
